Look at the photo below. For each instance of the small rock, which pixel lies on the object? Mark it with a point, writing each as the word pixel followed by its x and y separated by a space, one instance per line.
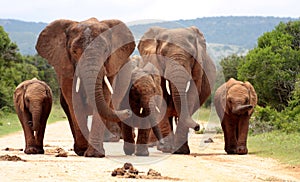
pixel 209 140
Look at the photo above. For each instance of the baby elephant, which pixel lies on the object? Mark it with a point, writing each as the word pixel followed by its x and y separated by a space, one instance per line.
pixel 33 102
pixel 235 102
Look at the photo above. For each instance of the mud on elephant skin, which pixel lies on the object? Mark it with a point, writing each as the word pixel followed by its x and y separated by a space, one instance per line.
pixel 33 103
pixel 144 97
pixel 180 56
pixel 235 102
pixel 86 57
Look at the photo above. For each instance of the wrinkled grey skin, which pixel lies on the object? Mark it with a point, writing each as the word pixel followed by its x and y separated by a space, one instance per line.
pixel 33 102
pixel 82 54
pixel 180 56
pixel 235 102
pixel 143 96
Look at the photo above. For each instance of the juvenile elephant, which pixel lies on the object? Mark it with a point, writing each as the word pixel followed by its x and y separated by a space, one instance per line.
pixel 144 96
pixel 86 57
pixel 235 102
pixel 33 102
pixel 187 78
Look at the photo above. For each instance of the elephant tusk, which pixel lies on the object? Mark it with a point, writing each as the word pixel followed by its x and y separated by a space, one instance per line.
pixel 77 84
pixel 141 110
pixel 89 122
pixel 168 87
pixel 188 86
pixel 157 109
pixel 108 85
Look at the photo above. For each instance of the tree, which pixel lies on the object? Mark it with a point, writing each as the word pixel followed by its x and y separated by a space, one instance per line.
pixel 272 66
pixel 230 66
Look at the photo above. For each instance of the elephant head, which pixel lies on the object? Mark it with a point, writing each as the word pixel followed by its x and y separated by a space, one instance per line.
pixel 180 55
pixel 236 97
pixel 90 51
pixel 30 97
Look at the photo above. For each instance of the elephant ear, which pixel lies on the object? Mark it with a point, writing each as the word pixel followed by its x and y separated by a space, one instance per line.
pixel 204 62
pixel 148 45
pixel 253 96
pixel 122 46
pixel 18 96
pixel 51 44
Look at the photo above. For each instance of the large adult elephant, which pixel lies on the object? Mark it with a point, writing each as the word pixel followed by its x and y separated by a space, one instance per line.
pixel 85 56
pixel 181 57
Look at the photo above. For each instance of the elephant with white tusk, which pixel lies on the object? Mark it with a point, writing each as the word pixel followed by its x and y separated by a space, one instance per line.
pixel 187 78
pixel 144 97
pixel 87 56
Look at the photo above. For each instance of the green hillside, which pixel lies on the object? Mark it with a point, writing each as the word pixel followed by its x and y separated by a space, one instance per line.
pixel 231 33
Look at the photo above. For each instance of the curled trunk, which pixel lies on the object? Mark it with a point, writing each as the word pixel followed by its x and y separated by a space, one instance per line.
pixel 241 109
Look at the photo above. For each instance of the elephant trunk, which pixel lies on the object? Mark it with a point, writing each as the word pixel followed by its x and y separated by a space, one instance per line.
pixel 241 109
pixel 179 80
pixel 36 119
pixel 153 121
pixel 92 71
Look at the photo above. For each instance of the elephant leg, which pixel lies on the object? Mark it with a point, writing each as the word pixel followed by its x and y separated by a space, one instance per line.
pixel 96 137
pixel 141 144
pixel 242 133
pixel 167 132
pixel 128 137
pixel 80 142
pixel 181 139
pixel 229 130
pixel 30 145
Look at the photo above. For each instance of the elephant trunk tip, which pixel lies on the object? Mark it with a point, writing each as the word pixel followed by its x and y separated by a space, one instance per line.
pixel 242 109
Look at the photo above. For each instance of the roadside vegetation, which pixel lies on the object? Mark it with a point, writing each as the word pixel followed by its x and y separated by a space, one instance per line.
pixel 273 67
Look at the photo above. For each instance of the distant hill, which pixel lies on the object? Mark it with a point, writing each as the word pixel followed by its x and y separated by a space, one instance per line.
pixel 224 35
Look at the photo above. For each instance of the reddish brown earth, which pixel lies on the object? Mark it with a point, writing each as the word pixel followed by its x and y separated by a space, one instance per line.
pixel 207 162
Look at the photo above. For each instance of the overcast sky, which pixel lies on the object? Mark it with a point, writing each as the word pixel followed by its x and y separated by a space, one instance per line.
pixel 136 10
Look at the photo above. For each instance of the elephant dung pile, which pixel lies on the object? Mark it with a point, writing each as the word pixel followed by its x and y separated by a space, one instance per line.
pixel 10 158
pixel 128 171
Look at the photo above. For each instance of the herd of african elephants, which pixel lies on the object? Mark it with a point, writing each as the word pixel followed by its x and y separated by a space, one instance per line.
pixel 100 80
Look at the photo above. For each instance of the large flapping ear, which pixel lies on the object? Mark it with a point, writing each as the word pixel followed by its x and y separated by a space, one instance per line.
pixel 122 46
pixel 51 43
pixel 253 96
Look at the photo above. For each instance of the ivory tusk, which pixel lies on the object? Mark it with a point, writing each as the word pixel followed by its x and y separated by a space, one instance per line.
pixel 77 84
pixel 157 109
pixel 168 87
pixel 89 122
pixel 108 85
pixel 188 86
pixel 141 110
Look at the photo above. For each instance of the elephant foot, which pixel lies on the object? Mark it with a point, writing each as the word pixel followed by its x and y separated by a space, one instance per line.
pixel 33 150
pixel 142 150
pixel 230 150
pixel 241 150
pixel 166 148
pixel 129 148
pixel 79 150
pixel 92 152
pixel 184 149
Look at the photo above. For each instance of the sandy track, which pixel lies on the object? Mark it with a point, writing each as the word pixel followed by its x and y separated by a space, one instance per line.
pixel 208 162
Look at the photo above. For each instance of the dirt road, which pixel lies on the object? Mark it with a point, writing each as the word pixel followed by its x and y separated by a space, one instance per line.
pixel 208 162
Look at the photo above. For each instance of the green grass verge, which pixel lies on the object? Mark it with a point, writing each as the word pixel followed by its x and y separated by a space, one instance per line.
pixel 9 122
pixel 278 145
